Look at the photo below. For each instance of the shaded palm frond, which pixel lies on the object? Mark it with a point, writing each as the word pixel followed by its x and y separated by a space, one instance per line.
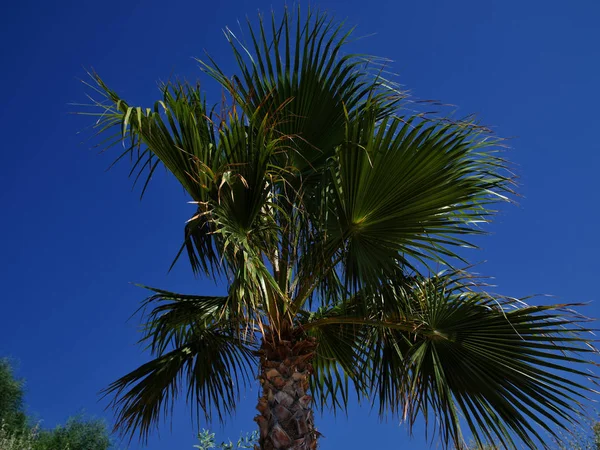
pixel 334 363
pixel 199 348
pixel 438 350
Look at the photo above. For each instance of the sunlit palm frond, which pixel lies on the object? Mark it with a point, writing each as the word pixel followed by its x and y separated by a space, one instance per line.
pixel 179 134
pixel 225 165
pixel 406 191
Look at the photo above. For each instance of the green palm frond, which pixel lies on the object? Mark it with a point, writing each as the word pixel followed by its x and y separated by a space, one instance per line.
pixel 225 166
pixel 450 354
pixel 180 134
pixel 199 348
pixel 174 315
pixel 503 365
pixel 400 194
pixel 408 190
pixel 298 63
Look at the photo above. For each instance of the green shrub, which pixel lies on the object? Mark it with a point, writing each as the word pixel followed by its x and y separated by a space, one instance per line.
pixel 18 433
pixel 77 434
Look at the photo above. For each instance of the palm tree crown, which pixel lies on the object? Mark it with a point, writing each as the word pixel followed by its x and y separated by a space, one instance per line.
pixel 326 204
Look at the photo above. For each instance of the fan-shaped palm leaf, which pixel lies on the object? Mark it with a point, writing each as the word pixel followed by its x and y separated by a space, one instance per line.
pixel 299 65
pixel 451 354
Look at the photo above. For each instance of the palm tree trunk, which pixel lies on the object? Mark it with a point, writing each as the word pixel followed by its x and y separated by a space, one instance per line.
pixel 286 417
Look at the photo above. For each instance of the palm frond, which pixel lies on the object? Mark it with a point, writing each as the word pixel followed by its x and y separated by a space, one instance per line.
pixel 172 316
pixel 226 167
pixel 297 62
pixel 507 367
pixel 406 191
pixel 178 133
pixel 199 348
pixel 452 355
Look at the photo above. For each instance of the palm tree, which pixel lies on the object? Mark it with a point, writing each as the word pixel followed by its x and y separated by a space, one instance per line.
pixel 326 203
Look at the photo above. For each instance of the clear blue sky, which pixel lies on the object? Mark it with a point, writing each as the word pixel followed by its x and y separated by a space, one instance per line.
pixel 73 236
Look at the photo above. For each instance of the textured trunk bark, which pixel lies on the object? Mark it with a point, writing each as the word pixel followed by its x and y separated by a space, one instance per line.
pixel 286 417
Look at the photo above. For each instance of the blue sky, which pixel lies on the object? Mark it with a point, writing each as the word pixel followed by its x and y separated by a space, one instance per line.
pixel 73 236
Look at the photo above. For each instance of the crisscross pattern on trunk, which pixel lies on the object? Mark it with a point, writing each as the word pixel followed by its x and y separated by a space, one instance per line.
pixel 286 418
